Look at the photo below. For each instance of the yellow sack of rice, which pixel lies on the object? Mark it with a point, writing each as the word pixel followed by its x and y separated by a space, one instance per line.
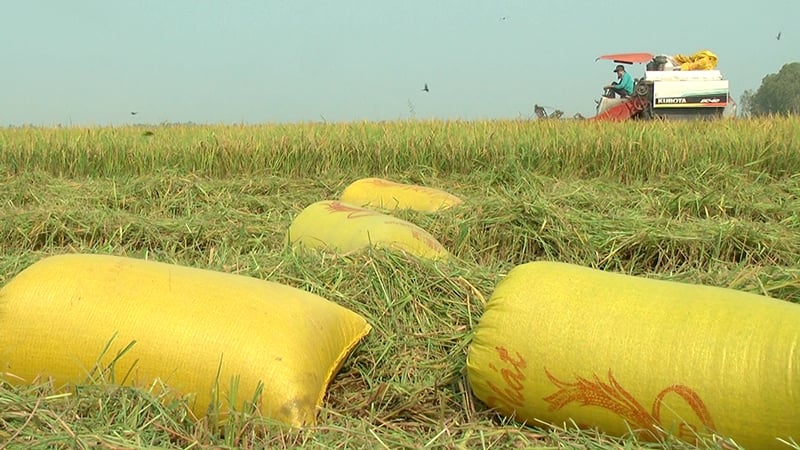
pixel 384 194
pixel 702 60
pixel 342 227
pixel 190 328
pixel 560 343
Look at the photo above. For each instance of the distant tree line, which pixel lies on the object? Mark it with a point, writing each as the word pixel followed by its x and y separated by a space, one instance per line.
pixel 779 93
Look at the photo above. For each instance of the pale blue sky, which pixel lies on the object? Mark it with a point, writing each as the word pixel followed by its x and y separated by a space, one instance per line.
pixel 93 62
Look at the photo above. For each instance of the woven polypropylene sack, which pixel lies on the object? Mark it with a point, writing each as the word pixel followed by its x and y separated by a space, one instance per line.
pixel 702 60
pixel 195 330
pixel 345 228
pixel 564 344
pixel 389 195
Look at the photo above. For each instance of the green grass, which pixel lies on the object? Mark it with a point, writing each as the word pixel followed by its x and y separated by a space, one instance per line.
pixel 713 203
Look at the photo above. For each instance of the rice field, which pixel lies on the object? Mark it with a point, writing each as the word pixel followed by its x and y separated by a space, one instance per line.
pixel 702 202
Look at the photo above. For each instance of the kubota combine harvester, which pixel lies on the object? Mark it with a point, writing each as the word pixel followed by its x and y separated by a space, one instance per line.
pixel 679 87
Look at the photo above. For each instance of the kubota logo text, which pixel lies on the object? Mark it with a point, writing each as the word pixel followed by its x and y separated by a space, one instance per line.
pixel 670 100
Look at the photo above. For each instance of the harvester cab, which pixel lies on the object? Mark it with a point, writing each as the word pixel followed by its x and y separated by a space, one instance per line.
pixel 680 87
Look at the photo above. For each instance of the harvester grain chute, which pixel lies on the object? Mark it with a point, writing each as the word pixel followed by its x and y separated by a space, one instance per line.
pixel 679 87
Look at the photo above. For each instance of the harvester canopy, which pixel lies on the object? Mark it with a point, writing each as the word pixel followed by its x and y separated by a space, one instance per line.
pixel 627 58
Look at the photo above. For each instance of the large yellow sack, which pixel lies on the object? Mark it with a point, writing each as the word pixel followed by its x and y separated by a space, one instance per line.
pixel 384 194
pixel 345 228
pixel 702 60
pixel 560 342
pixel 188 325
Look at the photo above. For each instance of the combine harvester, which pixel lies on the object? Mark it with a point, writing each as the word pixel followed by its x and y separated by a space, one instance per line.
pixel 670 89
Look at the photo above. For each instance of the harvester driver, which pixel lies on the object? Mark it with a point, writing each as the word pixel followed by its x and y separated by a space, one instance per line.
pixel 623 86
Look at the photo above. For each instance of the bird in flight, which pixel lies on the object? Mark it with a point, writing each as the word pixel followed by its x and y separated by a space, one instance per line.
pixel 133 113
pixel 426 88
pixel 778 37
